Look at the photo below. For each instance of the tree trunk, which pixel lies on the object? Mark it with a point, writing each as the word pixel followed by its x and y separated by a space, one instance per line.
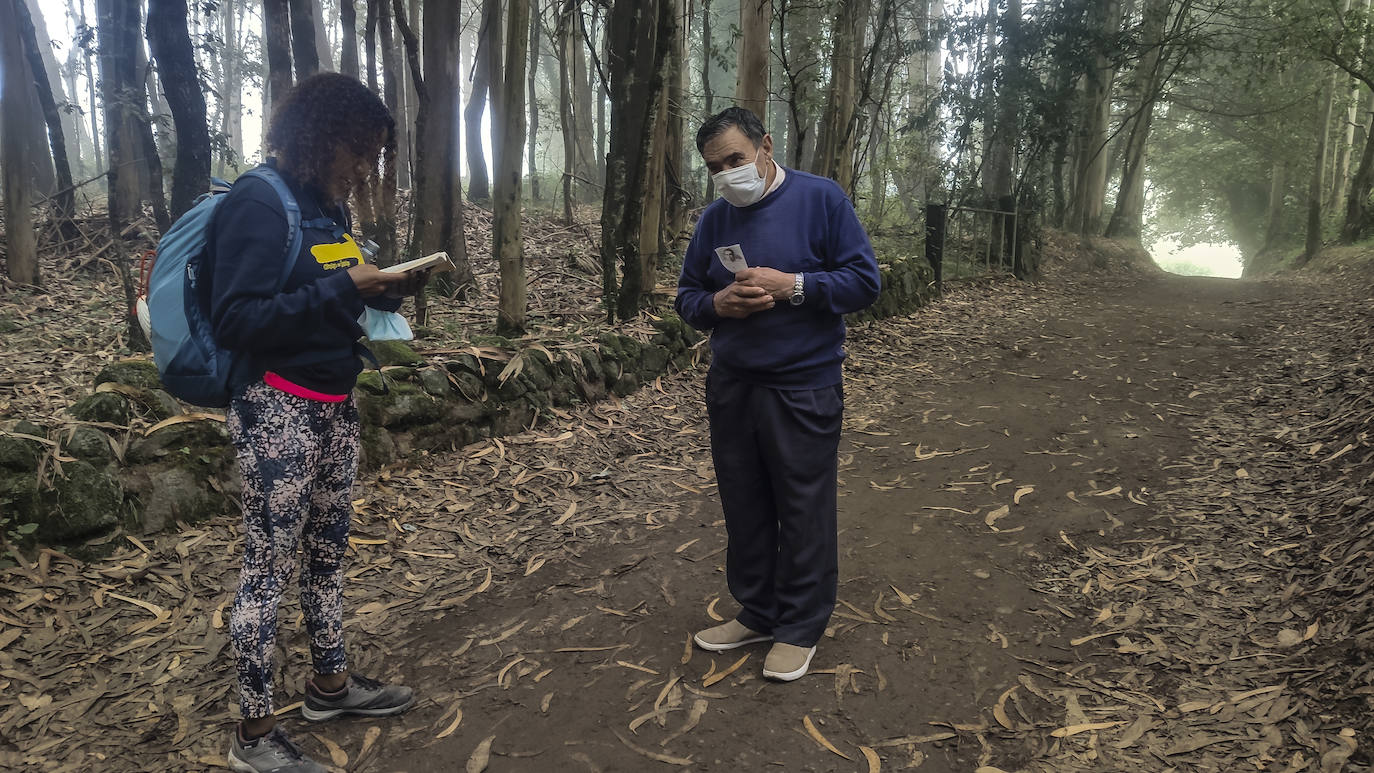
pixel 755 45
pixel 1347 146
pixel 567 45
pixel 601 93
pixel 276 22
pixel 89 52
pixel 508 129
pixel 150 172
pixel 171 44
pixel 323 50
pixel 64 203
pixel 1313 242
pixel 636 83
pixel 479 187
pixel 64 94
pixel 999 159
pixel 675 144
pixel 22 243
pixel 651 243
pixel 1357 212
pixel 706 65
pixel 1128 218
pixel 1278 194
pixel 835 144
pixel 1090 187
pixel 438 203
pixel 231 95
pixel 584 137
pixel 118 26
pixel 348 19
pixel 393 86
pixel 303 49
pixel 533 105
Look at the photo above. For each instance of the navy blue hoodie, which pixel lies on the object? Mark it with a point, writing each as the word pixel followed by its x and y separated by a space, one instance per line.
pixel 809 225
pixel 308 332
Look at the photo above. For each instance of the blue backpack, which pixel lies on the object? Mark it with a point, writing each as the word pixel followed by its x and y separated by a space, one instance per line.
pixel 192 366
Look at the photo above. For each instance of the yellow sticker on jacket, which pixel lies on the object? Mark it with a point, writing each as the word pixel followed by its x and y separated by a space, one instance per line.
pixel 344 254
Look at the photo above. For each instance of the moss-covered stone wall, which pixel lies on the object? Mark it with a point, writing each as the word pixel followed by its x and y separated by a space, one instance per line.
pixel 80 480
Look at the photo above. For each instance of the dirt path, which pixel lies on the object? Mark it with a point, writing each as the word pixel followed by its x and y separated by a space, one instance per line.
pixel 1056 554
pixel 987 442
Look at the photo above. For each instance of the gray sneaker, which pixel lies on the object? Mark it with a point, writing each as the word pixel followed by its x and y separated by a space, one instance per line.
pixel 273 753
pixel 361 696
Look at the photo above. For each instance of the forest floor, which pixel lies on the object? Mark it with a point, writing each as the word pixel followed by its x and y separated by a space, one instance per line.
pixel 1083 527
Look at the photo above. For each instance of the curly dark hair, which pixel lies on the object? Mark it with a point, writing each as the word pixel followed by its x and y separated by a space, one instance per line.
pixel 323 113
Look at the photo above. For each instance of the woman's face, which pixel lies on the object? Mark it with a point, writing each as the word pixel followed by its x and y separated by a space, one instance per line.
pixel 350 168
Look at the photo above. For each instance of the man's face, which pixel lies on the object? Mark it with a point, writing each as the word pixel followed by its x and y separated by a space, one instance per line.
pixel 731 149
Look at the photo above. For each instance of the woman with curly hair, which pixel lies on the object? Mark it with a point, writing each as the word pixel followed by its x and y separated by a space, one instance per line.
pixel 292 417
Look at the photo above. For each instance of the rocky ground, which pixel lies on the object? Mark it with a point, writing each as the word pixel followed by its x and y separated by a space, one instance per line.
pixel 1097 524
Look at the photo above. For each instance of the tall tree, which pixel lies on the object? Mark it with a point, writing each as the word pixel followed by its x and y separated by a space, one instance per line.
pixel 584 136
pixel 63 95
pixel 509 149
pixel 64 201
pixel 1128 217
pixel 679 197
pixel 393 88
pixel 1091 165
pixel 22 253
pixel 304 51
pixel 636 82
pixel 755 45
pixel 276 35
pixel 533 99
pixel 438 209
pixel 483 83
pixel 124 103
pixel 568 41
pixel 1314 190
pixel 348 19
pixel 835 144
pixel 231 91
pixel 171 45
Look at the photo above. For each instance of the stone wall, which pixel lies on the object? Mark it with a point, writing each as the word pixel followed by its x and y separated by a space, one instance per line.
pixel 80 480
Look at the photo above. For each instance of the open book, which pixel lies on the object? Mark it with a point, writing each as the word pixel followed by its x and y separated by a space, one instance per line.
pixel 437 262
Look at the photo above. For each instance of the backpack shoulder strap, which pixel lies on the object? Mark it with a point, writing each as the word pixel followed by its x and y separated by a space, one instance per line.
pixel 293 215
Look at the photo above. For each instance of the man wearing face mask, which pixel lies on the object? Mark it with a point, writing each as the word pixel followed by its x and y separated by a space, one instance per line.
pixel 774 392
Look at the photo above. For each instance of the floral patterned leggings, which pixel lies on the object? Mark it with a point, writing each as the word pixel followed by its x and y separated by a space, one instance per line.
pixel 298 458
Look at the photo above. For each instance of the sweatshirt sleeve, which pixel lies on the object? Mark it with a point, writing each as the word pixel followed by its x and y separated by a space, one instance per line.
pixel 851 280
pixel 247 313
pixel 695 293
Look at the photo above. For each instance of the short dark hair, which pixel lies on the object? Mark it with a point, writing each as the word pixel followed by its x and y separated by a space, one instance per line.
pixel 740 117
pixel 324 112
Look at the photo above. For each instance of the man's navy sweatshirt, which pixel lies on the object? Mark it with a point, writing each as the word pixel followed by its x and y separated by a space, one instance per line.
pixel 809 225
pixel 307 331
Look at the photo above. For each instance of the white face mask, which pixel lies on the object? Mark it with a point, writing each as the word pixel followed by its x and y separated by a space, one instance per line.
pixel 742 185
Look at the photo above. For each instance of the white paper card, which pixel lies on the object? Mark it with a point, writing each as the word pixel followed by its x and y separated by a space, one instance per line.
pixel 732 258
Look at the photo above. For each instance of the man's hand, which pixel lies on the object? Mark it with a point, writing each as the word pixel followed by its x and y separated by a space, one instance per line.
pixel 412 283
pixel 738 301
pixel 372 281
pixel 770 280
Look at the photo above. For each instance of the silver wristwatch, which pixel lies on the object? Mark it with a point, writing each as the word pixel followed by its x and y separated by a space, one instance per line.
pixel 798 289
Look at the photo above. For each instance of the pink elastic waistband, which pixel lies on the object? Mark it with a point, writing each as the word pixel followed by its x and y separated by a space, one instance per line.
pixel 277 382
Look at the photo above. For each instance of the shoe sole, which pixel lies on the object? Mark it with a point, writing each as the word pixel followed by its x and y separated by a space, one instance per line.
pixel 320 715
pixel 726 647
pixel 788 676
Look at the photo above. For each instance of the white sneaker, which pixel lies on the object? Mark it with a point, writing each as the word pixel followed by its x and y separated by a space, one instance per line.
pixel 728 636
pixel 786 662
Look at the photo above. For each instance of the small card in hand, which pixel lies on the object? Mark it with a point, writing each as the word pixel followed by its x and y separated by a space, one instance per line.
pixel 732 258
